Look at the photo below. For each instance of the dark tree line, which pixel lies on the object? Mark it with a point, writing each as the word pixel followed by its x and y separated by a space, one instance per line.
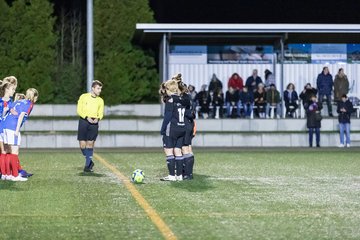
pixel 46 49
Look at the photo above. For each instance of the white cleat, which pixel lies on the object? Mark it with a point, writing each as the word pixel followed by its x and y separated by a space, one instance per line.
pixel 3 177
pixel 9 177
pixel 341 145
pixel 168 178
pixel 19 179
pixel 179 178
pixel 348 145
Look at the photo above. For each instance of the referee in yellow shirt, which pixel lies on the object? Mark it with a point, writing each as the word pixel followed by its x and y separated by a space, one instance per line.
pixel 90 108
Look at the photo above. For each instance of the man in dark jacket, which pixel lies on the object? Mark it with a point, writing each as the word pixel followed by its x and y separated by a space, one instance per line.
pixel 325 86
pixel 253 81
pixel 344 108
pixel 232 99
pixel 306 94
pixel 313 118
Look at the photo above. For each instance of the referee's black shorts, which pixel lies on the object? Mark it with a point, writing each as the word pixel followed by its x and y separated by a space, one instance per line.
pixel 87 131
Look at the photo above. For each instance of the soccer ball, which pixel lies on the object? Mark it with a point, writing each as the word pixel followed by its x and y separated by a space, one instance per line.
pixel 137 176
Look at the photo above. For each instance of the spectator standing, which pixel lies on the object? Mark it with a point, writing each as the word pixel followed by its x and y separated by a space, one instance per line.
pixel 215 84
pixel 247 101
pixel 236 82
pixel 341 85
pixel 232 99
pixel 260 101
pixel 325 85
pixel 273 100
pixel 269 79
pixel 306 95
pixel 253 81
pixel 290 99
pixel 344 109
pixel 204 100
pixel 313 123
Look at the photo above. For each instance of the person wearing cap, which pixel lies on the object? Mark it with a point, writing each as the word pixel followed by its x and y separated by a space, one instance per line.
pixel 344 109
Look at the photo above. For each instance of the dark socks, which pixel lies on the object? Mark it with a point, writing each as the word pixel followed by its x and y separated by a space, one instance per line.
pixel 170 160
pixel 89 156
pixel 191 165
pixel 187 164
pixel 179 161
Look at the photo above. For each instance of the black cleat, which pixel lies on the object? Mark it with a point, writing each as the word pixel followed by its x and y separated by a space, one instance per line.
pixel 91 165
pixel 187 177
pixel 87 170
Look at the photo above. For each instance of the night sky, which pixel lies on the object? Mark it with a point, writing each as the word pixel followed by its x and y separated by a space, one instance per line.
pixel 246 11
pixel 256 11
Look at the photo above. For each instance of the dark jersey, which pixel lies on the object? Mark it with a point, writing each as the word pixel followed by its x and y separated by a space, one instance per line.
pixel 189 119
pixel 174 117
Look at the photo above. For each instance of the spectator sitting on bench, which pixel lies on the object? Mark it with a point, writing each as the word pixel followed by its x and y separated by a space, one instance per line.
pixel 215 84
pixel 306 95
pixel 260 101
pixel 232 99
pixel 236 82
pixel 193 95
pixel 253 81
pixel 290 99
pixel 273 100
pixel 217 101
pixel 247 101
pixel 203 98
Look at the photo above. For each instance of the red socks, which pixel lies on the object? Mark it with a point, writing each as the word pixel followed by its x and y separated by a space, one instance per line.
pixel 14 164
pixel 2 164
pixel 7 165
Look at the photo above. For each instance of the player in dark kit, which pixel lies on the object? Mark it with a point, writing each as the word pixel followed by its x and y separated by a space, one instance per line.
pixel 173 128
pixel 189 126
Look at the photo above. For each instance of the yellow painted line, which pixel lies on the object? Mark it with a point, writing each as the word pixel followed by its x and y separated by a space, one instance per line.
pixel 150 211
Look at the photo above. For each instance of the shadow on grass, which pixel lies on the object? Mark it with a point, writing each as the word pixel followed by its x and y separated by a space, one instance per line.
pixel 9 185
pixel 200 183
pixel 91 174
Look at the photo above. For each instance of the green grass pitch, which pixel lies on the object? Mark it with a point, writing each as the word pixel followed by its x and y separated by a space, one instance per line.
pixel 236 194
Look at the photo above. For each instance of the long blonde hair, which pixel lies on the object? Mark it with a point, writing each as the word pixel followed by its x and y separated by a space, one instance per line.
pixel 32 94
pixel 172 87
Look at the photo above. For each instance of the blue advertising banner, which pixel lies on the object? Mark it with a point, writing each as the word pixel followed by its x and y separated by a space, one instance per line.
pixel 297 53
pixel 235 54
pixel 353 53
pixel 328 53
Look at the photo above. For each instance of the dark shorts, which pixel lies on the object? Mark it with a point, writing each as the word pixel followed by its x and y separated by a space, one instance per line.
pixel 189 134
pixel 175 139
pixel 87 131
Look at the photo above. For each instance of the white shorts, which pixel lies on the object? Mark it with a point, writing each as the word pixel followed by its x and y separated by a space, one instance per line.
pixel 1 136
pixel 10 138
